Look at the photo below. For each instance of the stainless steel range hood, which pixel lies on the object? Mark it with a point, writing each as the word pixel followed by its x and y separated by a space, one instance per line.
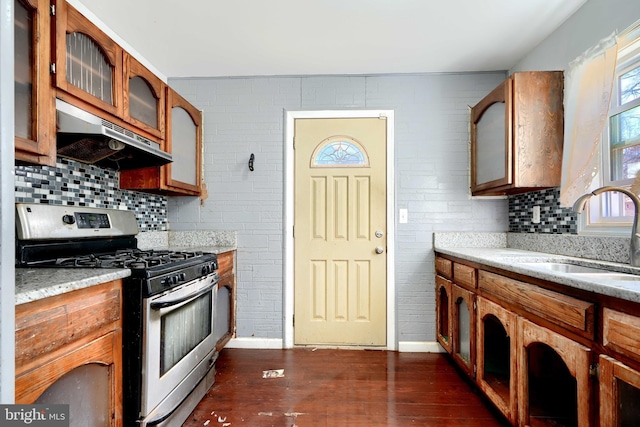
pixel 90 139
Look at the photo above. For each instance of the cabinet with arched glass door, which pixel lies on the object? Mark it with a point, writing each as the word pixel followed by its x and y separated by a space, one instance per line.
pixel 88 63
pixel 35 140
pixel 183 139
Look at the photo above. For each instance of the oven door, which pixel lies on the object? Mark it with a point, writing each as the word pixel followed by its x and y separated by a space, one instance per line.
pixel 179 344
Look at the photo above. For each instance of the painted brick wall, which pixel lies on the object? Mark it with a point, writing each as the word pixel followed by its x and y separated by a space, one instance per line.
pixel 246 115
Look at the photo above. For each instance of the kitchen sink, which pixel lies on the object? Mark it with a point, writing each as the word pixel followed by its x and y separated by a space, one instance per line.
pixel 582 271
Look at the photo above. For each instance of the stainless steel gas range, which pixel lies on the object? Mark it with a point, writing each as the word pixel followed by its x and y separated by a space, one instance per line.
pixel 168 303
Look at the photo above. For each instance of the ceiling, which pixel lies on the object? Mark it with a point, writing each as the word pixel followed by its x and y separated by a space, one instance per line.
pixel 207 38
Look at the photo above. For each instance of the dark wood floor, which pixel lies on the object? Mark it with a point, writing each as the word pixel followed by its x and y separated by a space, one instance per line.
pixel 340 388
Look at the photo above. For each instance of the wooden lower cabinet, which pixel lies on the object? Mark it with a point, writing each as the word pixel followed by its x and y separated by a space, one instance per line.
pixel 554 385
pixel 226 299
pixel 619 393
pixel 463 329
pixel 496 357
pixel 443 310
pixel 58 335
pixel 532 351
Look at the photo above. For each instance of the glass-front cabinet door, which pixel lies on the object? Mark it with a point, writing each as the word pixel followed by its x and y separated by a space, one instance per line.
pixel 184 142
pixel 496 359
pixel 88 63
pixel 34 103
pixel 443 317
pixel 619 394
pixel 464 331
pixel 554 382
pixel 491 150
pixel 144 97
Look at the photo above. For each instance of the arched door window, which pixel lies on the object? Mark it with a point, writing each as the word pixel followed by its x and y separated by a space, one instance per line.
pixel 339 151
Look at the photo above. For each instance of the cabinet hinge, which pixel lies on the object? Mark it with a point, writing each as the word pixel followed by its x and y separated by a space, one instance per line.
pixel 52 9
pixel 294 231
pixel 594 371
pixel 294 320
pixel 475 306
pixel 52 68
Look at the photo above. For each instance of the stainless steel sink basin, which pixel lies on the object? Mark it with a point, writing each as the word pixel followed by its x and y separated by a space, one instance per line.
pixel 582 271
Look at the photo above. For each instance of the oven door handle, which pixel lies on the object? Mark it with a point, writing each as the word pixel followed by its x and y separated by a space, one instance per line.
pixel 164 304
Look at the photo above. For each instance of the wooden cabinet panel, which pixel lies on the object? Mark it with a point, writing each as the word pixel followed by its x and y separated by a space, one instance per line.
pixel 619 393
pixel 577 359
pixel 621 332
pixel 444 267
pixel 496 356
pixel 51 323
pixel 35 134
pixel 55 335
pixel 226 270
pixel 443 313
pixel 568 312
pixel 464 276
pixel 520 148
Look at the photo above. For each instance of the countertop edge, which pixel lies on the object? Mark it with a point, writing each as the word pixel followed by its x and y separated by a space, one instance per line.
pixel 509 259
pixel 33 284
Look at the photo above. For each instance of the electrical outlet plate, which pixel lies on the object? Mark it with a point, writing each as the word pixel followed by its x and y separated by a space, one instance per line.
pixel 536 215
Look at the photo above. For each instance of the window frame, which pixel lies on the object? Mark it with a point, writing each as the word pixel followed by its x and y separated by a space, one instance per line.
pixel 594 222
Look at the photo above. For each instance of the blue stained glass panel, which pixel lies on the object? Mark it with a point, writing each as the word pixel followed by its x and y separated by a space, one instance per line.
pixel 340 153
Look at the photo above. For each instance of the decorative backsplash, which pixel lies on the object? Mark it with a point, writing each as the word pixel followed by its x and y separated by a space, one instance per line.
pixel 73 183
pixel 554 219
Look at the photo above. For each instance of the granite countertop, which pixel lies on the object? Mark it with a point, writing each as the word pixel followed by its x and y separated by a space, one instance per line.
pixel 510 259
pixel 37 283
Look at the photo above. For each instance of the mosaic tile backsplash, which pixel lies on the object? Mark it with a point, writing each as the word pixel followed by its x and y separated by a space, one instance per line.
pixel 554 219
pixel 73 183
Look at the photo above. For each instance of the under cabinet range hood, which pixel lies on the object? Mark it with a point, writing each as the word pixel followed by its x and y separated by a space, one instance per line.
pixel 90 139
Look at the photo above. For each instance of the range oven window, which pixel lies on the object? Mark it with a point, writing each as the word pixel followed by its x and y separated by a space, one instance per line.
pixel 183 329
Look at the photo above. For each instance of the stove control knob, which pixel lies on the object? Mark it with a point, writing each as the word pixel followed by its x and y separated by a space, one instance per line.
pixel 68 219
pixel 182 277
pixel 206 269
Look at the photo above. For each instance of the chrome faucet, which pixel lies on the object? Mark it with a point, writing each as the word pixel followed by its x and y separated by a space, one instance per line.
pixel 634 247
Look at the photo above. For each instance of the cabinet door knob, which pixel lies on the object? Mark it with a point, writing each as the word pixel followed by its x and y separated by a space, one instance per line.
pixel 379 250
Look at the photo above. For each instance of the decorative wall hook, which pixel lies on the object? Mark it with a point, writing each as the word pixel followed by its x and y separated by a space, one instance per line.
pixel 251 159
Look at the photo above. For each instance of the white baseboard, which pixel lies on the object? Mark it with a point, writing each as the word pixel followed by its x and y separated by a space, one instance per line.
pixel 255 343
pixel 420 347
pixel 277 343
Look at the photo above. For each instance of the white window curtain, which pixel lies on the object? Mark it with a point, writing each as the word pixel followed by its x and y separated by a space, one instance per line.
pixel 587 95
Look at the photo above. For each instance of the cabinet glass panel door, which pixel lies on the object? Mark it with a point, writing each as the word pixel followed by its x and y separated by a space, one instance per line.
pixel 464 328
pixel 23 45
pixel 88 68
pixel 619 394
pixel 490 142
pixel 443 295
pixel 183 149
pixel 143 105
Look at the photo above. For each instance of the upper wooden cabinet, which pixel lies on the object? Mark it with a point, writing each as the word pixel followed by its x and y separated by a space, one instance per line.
pixel 35 140
pixel 183 133
pixel 88 64
pixel 144 97
pixel 517 135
